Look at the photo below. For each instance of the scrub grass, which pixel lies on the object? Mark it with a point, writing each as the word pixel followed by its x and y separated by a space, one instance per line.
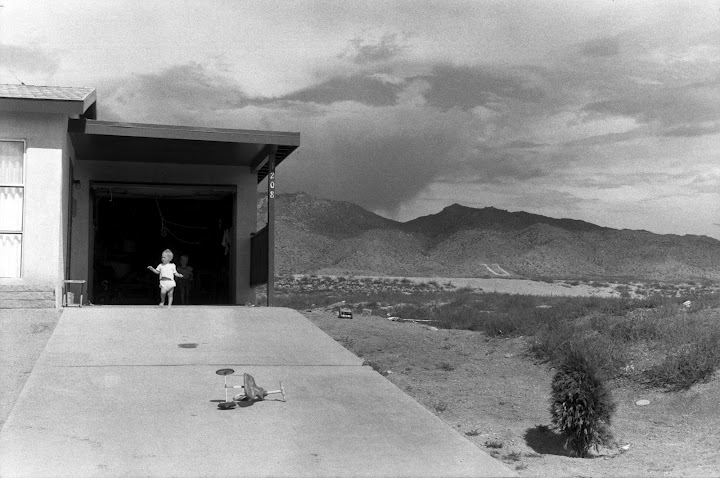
pixel 653 338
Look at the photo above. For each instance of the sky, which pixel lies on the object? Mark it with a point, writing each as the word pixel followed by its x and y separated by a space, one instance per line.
pixel 607 111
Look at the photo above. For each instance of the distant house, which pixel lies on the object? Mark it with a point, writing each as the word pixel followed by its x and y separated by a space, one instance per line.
pixel 98 201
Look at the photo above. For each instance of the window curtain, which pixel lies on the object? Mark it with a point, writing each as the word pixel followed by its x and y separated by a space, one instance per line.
pixel 11 207
pixel 11 162
pixel 10 254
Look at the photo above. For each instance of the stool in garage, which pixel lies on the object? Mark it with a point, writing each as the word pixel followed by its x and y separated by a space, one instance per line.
pixel 69 296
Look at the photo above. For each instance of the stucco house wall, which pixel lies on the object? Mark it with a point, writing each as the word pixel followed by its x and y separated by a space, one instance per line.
pixel 45 137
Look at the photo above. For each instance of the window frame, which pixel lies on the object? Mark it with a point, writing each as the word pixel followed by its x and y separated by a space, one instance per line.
pixel 21 232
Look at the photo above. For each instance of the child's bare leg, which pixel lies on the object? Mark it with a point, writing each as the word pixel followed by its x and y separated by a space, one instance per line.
pixel 162 298
pixel 170 296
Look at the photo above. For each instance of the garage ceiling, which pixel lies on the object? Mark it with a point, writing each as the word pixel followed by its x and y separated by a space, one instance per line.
pixel 162 191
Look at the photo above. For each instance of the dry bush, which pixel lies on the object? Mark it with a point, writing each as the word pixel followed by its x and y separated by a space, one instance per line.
pixel 581 406
pixel 693 362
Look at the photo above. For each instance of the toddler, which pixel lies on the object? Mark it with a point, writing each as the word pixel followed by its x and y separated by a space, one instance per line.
pixel 184 283
pixel 167 272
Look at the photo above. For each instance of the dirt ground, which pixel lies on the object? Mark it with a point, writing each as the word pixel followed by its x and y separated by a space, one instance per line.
pixel 495 394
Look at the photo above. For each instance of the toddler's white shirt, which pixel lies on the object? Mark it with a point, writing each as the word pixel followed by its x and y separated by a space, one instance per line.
pixel 167 270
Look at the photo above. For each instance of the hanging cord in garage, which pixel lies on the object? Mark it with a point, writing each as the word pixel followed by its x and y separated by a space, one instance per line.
pixel 164 230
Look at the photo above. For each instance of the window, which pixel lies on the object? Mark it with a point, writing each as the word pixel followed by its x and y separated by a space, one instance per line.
pixel 12 191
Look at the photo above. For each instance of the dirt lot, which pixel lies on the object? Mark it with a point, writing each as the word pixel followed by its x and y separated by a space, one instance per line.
pixel 496 395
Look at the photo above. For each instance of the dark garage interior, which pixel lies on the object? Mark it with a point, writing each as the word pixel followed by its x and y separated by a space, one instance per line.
pixel 132 225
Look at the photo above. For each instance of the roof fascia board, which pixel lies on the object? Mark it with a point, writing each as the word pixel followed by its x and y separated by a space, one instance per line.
pixel 108 128
pixel 30 105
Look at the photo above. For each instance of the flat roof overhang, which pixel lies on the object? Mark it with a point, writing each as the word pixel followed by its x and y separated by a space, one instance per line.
pixel 115 141
pixel 69 101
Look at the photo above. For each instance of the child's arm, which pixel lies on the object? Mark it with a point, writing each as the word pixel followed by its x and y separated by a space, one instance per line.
pixel 177 274
pixel 151 268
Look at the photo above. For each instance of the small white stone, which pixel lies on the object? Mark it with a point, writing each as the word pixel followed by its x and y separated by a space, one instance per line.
pixel 642 403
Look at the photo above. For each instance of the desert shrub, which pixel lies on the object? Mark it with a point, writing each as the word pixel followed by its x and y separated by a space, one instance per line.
pixel 458 316
pixel 618 306
pixel 581 406
pixel 700 300
pixel 651 301
pixel 513 456
pixel 445 366
pixel 413 311
pixel 300 301
pixel 606 354
pixel 692 363
pixel 377 367
pixel 635 327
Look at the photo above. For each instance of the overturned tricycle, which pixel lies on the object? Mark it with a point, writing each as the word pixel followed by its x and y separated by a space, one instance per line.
pixel 251 392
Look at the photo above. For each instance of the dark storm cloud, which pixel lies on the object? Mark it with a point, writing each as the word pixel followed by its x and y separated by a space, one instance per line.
pixel 376 158
pixel 467 87
pixel 689 131
pixel 19 59
pixel 675 111
pixel 601 47
pixel 449 87
pixel 361 52
pixel 601 139
pixel 611 180
pixel 360 88
pixel 519 144
pixel 178 94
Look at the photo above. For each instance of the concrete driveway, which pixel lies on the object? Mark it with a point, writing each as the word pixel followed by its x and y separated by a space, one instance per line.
pixel 132 391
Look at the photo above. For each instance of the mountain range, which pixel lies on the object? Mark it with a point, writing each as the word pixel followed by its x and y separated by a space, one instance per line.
pixel 328 237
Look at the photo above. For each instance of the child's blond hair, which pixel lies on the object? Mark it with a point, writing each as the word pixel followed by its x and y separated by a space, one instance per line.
pixel 169 253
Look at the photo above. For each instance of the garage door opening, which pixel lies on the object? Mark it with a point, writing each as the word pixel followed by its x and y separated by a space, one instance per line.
pixel 133 224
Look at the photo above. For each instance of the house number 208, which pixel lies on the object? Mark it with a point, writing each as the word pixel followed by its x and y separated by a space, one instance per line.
pixel 272 185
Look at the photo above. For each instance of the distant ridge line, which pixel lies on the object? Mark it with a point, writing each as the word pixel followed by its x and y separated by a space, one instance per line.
pixel 323 236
